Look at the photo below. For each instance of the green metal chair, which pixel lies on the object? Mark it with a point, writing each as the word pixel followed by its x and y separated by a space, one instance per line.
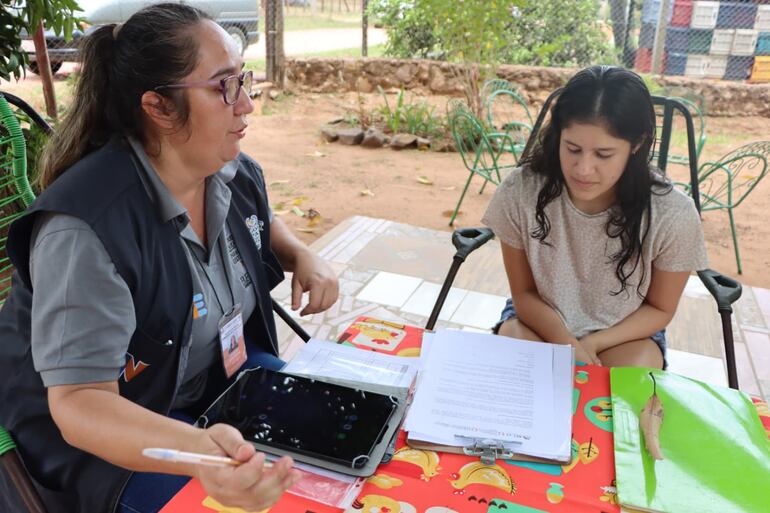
pixel 695 105
pixel 724 184
pixel 484 153
pixel 15 190
pixel 507 112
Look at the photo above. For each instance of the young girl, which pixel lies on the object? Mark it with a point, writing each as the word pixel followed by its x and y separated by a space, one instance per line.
pixel 597 245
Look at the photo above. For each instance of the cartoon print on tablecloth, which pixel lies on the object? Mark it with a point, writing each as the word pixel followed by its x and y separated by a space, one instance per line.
pixel 553 469
pixel 384 481
pixel 379 504
pixel 219 508
pixel 609 493
pixel 581 377
pixel 440 509
pixel 383 336
pixel 503 506
pixel 428 461
pixel 555 493
pixel 477 473
pixel 764 413
pixel 599 412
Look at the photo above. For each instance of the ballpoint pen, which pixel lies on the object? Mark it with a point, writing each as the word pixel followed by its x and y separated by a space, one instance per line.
pixel 192 457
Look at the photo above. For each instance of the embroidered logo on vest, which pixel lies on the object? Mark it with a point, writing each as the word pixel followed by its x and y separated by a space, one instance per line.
pixel 199 306
pixel 132 369
pixel 255 225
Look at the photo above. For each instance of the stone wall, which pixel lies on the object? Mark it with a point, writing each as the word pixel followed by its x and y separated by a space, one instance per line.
pixel 723 98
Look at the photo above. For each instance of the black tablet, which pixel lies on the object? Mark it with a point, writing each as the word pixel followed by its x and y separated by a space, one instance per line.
pixel 305 416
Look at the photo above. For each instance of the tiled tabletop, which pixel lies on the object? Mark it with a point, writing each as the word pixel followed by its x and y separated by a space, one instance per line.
pixel 394 271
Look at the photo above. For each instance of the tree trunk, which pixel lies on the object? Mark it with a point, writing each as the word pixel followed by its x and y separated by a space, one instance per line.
pixel 44 68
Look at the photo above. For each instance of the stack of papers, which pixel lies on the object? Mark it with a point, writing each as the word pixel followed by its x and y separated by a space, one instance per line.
pixel 477 387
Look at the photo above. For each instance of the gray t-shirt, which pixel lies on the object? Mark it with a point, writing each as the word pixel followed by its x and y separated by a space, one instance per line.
pixel 82 311
pixel 575 274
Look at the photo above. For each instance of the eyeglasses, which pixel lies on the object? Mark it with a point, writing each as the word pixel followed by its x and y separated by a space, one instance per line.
pixel 230 86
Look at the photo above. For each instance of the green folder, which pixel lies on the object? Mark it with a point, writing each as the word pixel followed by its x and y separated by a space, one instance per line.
pixel 716 451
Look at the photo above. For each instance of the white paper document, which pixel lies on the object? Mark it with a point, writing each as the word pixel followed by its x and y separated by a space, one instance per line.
pixel 478 386
pixel 319 358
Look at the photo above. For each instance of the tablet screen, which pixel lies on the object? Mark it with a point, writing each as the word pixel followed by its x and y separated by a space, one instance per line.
pixel 302 415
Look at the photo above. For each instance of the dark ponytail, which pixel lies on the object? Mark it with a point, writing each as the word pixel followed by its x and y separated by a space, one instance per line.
pixel 120 63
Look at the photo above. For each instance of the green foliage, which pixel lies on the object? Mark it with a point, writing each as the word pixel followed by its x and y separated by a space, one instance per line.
pixel 410 31
pixel 541 34
pixel 18 17
pixel 411 117
pixel 533 32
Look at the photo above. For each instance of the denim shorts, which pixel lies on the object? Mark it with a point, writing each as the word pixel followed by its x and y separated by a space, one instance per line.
pixel 509 312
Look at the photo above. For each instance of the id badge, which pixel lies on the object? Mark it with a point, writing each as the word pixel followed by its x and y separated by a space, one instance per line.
pixel 231 340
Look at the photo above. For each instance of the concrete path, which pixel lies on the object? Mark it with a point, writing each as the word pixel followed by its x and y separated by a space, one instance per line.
pixel 303 42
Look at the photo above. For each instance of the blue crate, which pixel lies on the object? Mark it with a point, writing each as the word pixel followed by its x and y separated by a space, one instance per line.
pixel 738 67
pixel 736 15
pixel 651 10
pixel 676 63
pixel 763 44
pixel 647 35
pixel 677 39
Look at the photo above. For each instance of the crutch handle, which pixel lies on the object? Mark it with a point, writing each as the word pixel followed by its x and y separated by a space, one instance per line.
pixel 725 290
pixel 468 240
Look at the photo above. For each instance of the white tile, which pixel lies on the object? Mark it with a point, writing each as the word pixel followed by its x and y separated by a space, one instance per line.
pixel 423 299
pixel 479 310
pixel 389 289
pixel 696 288
pixel 696 366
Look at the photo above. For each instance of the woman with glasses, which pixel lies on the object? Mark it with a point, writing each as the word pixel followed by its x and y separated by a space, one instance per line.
pixel 143 276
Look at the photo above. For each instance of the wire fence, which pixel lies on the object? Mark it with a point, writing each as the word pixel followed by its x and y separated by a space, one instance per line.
pixel 709 39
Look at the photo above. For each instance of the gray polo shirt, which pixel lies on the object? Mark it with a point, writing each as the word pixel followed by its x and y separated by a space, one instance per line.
pixel 82 311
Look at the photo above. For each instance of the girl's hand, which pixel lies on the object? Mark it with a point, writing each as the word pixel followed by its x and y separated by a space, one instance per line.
pixel 586 348
pixel 249 486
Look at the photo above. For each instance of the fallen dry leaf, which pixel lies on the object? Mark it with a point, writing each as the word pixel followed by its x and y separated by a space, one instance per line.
pixel 305 230
pixel 298 201
pixel 313 217
pixel 366 192
pixel 650 420
pixel 315 154
pixel 424 180
pixel 278 182
pixel 298 211
pixel 450 188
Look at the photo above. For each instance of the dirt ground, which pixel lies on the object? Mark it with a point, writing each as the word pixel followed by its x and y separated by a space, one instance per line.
pixel 341 181
pixel 285 139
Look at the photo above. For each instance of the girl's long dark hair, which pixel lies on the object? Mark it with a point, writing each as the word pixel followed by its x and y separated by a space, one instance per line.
pixel 154 47
pixel 619 100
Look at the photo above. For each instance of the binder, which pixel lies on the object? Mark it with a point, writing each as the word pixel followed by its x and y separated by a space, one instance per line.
pixel 716 452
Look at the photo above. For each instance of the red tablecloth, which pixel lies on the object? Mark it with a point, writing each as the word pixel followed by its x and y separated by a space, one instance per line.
pixel 418 481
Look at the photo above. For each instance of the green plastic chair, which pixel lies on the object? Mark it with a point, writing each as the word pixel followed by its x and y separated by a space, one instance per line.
pixel 15 190
pixel 507 112
pixel 15 195
pixel 724 184
pixel 483 153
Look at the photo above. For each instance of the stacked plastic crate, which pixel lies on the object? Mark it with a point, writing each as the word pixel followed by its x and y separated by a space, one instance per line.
pixel 707 38
pixel 761 70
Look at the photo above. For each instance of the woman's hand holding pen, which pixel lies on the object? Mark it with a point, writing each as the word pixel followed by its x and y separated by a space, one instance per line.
pixel 250 485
